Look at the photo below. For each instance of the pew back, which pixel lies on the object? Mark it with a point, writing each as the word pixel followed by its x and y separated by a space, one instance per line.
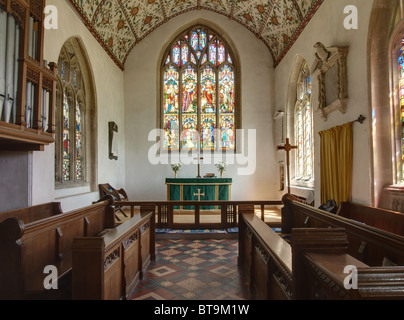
pixel 46 242
pixel 383 219
pixel 372 246
pixel 34 213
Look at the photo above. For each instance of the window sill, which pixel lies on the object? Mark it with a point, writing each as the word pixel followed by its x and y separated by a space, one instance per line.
pixel 397 189
pixel 304 192
pixel 70 190
pixel 302 184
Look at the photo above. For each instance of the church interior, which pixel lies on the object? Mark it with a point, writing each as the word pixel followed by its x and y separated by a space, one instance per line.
pixel 202 149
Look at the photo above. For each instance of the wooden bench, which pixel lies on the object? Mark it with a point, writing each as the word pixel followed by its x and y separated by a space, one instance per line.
pixel 383 219
pixel 34 213
pixel 26 249
pixel 265 258
pixel 323 270
pixel 108 267
pixel 372 246
pixel 310 267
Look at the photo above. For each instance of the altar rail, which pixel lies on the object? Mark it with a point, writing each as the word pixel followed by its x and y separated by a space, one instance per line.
pixel 229 210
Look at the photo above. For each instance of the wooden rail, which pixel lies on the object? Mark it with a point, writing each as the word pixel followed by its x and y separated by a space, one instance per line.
pixel 229 210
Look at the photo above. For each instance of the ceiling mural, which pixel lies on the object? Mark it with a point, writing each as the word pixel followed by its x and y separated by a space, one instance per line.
pixel 120 24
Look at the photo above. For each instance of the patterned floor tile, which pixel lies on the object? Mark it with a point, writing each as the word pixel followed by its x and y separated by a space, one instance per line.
pixel 193 270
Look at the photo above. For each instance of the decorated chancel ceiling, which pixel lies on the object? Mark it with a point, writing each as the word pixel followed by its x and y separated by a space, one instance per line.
pixel 120 24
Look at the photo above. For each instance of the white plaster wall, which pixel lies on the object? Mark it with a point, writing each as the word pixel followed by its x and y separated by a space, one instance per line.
pixel 109 103
pixel 15 179
pixel 145 181
pixel 327 27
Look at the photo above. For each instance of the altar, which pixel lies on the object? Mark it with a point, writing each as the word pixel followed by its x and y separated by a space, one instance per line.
pixel 199 189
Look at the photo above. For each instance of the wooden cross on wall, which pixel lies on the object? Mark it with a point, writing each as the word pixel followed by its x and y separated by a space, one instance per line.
pixel 288 147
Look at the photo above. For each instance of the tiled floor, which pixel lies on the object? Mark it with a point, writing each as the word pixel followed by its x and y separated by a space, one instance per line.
pixel 193 270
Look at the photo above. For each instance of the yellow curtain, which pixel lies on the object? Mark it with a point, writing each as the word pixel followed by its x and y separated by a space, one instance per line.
pixel 336 163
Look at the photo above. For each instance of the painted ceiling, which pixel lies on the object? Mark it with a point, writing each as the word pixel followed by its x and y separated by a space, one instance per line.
pixel 120 24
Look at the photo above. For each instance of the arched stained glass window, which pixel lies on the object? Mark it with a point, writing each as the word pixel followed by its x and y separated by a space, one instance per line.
pixel 304 127
pixel 398 117
pixel 199 92
pixel 70 132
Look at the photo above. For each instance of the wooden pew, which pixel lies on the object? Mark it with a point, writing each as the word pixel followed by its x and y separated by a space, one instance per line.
pixel 265 258
pixel 34 213
pixel 108 267
pixel 310 267
pixel 383 219
pixel 372 246
pixel 320 260
pixel 26 249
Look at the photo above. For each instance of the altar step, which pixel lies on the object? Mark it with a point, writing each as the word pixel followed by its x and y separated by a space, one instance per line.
pixel 196 234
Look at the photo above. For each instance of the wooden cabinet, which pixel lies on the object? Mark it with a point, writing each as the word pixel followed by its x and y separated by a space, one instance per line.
pixel 27 82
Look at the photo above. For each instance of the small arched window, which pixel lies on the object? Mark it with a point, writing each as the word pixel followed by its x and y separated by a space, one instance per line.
pixel 199 98
pixel 303 120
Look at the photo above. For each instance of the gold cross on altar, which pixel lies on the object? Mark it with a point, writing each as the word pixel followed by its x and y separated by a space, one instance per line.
pixel 199 195
pixel 288 147
pixel 199 165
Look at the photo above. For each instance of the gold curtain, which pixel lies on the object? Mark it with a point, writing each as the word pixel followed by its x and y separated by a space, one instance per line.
pixel 336 163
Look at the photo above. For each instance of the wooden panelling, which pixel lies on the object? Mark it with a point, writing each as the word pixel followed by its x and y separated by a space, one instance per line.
pixel 109 266
pixel 26 249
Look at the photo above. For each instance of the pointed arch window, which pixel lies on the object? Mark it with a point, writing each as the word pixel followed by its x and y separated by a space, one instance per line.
pixel 199 93
pixel 398 115
pixel 304 127
pixel 73 163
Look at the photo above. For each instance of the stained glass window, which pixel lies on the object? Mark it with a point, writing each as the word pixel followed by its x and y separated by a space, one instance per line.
pixel 71 116
pixel 79 142
pixel 66 136
pixel 304 127
pixel 199 92
pixel 401 99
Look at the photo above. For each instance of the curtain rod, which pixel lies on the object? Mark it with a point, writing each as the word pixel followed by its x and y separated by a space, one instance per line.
pixel 360 119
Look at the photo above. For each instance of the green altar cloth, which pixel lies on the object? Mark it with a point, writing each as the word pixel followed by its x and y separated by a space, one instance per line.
pixel 199 189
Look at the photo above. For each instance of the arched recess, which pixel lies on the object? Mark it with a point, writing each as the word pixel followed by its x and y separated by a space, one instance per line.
pixel 386 25
pixel 76 85
pixel 232 62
